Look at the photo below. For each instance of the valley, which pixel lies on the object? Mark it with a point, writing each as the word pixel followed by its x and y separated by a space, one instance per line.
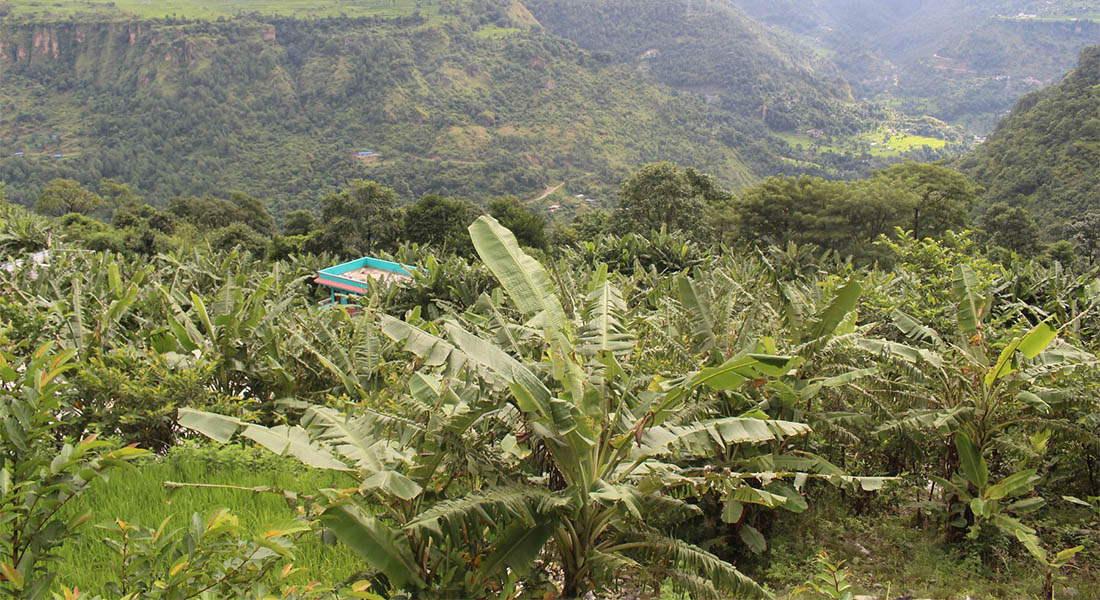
pixel 549 299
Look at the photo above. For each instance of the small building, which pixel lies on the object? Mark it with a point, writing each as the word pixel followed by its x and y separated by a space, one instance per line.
pixel 555 207
pixel 19 154
pixel 580 196
pixel 355 276
pixel 58 155
pixel 366 153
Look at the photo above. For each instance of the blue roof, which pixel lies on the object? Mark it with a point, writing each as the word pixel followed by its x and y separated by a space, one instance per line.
pixel 57 155
pixel 19 154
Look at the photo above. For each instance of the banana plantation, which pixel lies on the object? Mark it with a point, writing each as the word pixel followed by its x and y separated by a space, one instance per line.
pixel 627 417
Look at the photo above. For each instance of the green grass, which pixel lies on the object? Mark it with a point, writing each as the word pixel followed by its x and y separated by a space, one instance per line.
pixel 495 32
pixel 884 141
pixel 139 497
pixel 212 9
pixel 892 551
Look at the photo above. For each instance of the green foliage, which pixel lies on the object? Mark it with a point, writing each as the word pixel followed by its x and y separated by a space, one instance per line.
pixel 441 222
pixel 299 222
pixel 944 197
pixel 1043 156
pixel 135 396
pixel 211 213
pixel 712 49
pixel 528 227
pixel 40 475
pixel 63 196
pixel 662 196
pixel 279 107
pixel 1012 228
pixel 361 220
pixel 831 579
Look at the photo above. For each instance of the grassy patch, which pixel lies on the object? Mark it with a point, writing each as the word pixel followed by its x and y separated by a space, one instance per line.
pixel 494 32
pixel 891 552
pixel 139 497
pixel 884 141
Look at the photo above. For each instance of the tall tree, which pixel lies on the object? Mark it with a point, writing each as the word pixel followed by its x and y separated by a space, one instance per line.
pixel 943 196
pixel 300 222
pixel 1012 227
pixel 63 196
pixel 529 228
pixel 361 219
pixel 662 195
pixel 442 222
pixel 1085 233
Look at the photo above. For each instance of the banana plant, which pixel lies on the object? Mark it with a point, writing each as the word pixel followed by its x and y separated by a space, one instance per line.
pixel 977 393
pixel 602 433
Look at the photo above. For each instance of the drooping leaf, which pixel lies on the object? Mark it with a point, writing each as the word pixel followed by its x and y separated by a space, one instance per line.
pixel 971 461
pixel 518 546
pixel 753 539
pixel 525 280
pixel 382 547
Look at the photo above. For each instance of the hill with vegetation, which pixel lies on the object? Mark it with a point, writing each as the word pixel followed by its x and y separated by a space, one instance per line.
pixel 962 62
pixel 1045 156
pixel 714 49
pixel 479 103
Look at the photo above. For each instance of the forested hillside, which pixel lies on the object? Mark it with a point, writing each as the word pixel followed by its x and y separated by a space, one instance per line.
pixel 281 108
pixel 963 62
pixel 1045 156
pixel 714 49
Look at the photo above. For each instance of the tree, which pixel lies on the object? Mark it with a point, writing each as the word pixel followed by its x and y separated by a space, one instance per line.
pixel 209 212
pixel 1013 228
pixel 299 222
pixel 662 195
pixel 788 209
pixel 237 235
pixel 360 220
pixel 591 224
pixel 63 196
pixel 1085 233
pixel 529 228
pixel 943 196
pixel 441 222
pixel 253 212
pixel 119 196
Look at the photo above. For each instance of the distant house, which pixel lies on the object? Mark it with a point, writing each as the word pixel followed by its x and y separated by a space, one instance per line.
pixel 555 207
pixel 19 154
pixel 366 153
pixel 580 196
pixel 58 155
pixel 354 277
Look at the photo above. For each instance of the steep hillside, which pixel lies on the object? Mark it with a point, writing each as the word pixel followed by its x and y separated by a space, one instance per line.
pixel 281 108
pixel 1046 155
pixel 963 62
pixel 715 49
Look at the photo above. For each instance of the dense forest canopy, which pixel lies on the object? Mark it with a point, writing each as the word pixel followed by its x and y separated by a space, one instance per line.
pixel 1045 156
pixel 962 62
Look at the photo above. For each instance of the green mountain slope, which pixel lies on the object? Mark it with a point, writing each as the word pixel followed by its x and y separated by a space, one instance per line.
pixel 715 49
pixel 963 62
pixel 1046 155
pixel 481 104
